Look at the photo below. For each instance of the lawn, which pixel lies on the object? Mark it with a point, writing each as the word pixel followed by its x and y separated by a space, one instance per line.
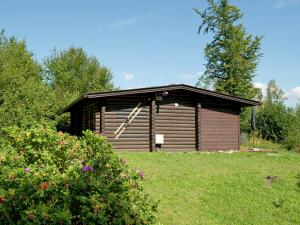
pixel 220 188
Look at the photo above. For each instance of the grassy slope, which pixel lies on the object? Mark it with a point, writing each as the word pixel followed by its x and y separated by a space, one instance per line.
pixel 219 188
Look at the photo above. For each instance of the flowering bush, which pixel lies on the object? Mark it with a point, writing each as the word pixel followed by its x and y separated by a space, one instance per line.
pixel 54 178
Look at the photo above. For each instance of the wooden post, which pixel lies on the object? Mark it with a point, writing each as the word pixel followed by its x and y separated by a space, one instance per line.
pixel 98 119
pixel 152 125
pixel 103 109
pixel 198 127
pixel 239 130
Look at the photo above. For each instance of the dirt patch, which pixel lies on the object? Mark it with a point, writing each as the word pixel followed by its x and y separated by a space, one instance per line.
pixel 271 179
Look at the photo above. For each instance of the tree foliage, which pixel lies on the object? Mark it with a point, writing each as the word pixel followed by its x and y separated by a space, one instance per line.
pixel 292 141
pixel 275 94
pixel 278 122
pixel 232 56
pixel 33 93
pixel 73 73
pixel 24 98
pixel 274 118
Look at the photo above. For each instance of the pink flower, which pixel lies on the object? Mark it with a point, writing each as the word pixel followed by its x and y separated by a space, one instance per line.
pixel 87 169
pixel 26 170
pixel 141 173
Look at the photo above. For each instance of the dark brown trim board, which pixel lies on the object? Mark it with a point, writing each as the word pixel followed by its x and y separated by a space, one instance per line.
pixel 102 121
pixel 165 118
pixel 152 125
pixel 198 126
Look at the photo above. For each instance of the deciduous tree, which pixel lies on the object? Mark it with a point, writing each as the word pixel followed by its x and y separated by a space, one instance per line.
pixel 72 73
pixel 24 98
pixel 274 118
pixel 232 55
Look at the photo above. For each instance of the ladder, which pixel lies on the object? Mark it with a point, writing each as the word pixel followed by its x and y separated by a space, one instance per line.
pixel 128 120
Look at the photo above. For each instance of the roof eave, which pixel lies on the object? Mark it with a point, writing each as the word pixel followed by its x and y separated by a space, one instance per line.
pixel 68 108
pixel 242 101
pixel 245 102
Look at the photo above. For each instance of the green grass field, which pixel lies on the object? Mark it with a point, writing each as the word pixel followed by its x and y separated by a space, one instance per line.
pixel 220 188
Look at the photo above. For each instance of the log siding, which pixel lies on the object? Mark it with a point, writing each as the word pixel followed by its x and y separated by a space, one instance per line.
pixel 190 119
pixel 219 129
pixel 175 119
pixel 136 135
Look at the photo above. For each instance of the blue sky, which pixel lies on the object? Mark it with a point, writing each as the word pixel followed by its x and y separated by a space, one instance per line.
pixel 147 43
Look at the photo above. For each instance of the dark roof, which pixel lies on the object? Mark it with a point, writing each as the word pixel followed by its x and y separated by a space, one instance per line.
pixel 242 101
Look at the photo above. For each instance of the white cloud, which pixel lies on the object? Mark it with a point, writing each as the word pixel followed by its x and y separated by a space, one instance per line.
pixel 129 21
pixel 284 3
pixel 262 87
pixel 294 93
pixel 128 76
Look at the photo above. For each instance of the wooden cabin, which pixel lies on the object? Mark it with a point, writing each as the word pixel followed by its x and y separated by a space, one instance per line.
pixel 165 118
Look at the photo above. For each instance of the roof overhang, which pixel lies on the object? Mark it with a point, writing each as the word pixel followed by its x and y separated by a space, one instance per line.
pixel 242 101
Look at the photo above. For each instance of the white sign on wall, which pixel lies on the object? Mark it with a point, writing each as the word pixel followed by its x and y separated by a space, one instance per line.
pixel 159 139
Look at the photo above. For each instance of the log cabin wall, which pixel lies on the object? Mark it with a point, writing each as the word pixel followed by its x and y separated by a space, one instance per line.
pixel 84 118
pixel 88 118
pixel 220 128
pixel 188 121
pixel 122 134
pixel 175 119
pixel 76 122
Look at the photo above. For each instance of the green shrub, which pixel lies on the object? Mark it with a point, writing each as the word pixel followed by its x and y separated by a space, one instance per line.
pixel 274 121
pixel 54 178
pixel 292 140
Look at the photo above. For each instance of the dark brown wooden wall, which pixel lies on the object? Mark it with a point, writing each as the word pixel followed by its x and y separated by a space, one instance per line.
pixel 135 137
pixel 176 123
pixel 177 117
pixel 220 129
pixel 88 117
